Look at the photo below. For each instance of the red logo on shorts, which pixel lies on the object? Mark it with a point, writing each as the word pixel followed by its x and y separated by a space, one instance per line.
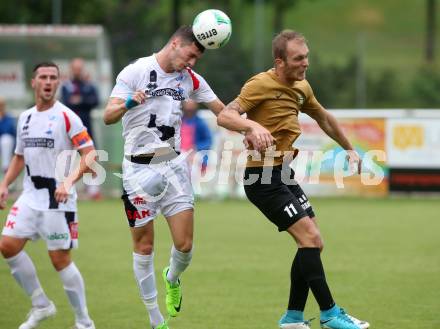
pixel 134 214
pixel 14 211
pixel 73 228
pixel 139 200
pixel 10 224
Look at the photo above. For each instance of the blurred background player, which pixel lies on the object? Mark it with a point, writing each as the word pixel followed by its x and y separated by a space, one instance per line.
pixel 7 136
pixel 47 207
pixel 195 132
pixel 81 96
pixel 148 98
pixel 274 99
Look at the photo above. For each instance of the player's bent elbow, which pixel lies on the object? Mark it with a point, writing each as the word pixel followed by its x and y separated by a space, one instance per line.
pixel 107 120
pixel 222 119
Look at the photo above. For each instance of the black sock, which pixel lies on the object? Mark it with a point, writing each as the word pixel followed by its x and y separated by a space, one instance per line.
pixel 313 272
pixel 299 288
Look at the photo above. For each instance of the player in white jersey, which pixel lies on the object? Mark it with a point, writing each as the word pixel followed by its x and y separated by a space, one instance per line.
pixel 148 96
pixel 47 207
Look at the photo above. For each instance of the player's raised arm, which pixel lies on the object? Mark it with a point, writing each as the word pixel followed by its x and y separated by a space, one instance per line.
pixel 216 106
pixel 331 127
pixel 117 107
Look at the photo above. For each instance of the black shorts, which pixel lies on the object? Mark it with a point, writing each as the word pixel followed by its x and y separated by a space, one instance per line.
pixel 277 195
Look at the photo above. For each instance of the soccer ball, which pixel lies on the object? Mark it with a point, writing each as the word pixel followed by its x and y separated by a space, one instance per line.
pixel 212 28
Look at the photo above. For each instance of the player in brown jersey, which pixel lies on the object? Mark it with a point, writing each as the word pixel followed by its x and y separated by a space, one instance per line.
pixel 272 101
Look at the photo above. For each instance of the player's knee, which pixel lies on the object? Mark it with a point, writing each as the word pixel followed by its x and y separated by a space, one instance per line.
pixel 313 238
pixel 143 248
pixel 7 249
pixel 184 246
pixel 4 249
pixel 60 261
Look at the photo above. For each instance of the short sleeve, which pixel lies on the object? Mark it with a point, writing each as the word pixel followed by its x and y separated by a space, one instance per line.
pixel 19 149
pixel 202 92
pixel 251 94
pixel 126 82
pixel 76 131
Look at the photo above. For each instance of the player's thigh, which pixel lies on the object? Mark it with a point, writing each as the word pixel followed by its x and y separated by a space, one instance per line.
pixel 143 238
pixel 299 194
pixel 274 199
pixel 178 196
pixel 178 203
pixel 143 187
pixel 21 221
pixel 59 229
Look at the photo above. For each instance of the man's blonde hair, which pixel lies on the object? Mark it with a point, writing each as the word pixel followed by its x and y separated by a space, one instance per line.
pixel 279 43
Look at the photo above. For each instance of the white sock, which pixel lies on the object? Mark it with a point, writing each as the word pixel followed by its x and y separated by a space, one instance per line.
pixel 23 270
pixel 179 261
pixel 74 287
pixel 143 267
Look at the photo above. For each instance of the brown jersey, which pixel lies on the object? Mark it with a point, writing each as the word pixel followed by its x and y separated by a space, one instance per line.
pixel 276 106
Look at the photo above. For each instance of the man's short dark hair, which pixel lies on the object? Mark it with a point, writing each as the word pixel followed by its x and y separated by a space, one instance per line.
pixel 279 43
pixel 185 33
pixel 45 64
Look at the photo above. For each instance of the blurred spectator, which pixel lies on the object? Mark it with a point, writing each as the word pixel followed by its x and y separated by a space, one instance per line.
pixel 7 135
pixel 195 132
pixel 80 95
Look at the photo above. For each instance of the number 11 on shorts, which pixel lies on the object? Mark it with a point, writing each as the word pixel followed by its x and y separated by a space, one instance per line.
pixel 290 209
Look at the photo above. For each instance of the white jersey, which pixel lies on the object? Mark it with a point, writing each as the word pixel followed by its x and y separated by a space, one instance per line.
pixel 156 123
pixel 41 137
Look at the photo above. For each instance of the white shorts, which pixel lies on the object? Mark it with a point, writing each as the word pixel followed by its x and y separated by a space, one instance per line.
pixel 150 189
pixel 58 228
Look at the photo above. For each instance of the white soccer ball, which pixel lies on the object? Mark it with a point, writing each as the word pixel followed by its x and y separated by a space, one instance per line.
pixel 212 28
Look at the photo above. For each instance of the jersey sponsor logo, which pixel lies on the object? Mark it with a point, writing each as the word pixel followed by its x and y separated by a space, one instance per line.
pixel 39 142
pixel 58 236
pixel 80 139
pixel 139 200
pixel 135 214
pixel 175 94
pixel 10 224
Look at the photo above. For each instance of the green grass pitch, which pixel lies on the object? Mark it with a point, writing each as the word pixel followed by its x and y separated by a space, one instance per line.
pixel 381 257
